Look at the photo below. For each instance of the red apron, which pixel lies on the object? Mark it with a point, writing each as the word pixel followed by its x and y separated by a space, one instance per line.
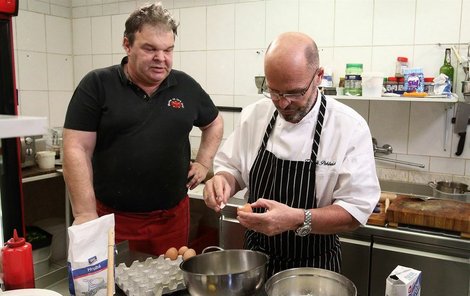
pixel 151 232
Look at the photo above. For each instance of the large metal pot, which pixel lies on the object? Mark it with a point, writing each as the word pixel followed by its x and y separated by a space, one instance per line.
pixel 309 281
pixel 449 187
pixel 225 273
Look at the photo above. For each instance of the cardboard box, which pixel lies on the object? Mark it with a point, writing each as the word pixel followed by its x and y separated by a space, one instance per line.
pixel 403 281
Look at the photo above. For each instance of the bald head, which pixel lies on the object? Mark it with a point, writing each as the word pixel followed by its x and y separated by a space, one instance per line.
pixel 292 50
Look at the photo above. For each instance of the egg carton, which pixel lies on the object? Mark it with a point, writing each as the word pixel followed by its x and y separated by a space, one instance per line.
pixel 152 277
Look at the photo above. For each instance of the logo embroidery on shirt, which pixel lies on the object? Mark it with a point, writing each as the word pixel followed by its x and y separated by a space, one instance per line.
pixel 175 103
pixel 326 162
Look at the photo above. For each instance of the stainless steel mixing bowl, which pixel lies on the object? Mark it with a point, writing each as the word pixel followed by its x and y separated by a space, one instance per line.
pixel 225 273
pixel 308 281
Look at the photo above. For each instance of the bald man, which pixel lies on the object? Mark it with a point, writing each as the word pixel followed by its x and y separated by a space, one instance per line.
pixel 306 160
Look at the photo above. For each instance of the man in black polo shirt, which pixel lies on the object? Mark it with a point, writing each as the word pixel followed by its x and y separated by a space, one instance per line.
pixel 126 138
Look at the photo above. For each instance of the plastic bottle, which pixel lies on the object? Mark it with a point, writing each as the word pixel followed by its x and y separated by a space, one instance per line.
pixel 353 80
pixel 447 68
pixel 400 66
pixel 18 268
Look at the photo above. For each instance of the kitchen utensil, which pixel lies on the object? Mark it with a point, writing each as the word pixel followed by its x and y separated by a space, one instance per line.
pixel 225 273
pixel 449 187
pixel 460 128
pixel 309 281
pixel 466 86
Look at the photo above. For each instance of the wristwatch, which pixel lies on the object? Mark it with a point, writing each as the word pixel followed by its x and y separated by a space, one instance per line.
pixel 306 228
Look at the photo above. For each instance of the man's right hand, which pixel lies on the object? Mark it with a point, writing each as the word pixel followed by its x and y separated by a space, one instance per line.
pixel 82 218
pixel 216 192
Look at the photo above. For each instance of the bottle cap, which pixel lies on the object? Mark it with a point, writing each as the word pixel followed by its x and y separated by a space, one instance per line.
pixel 428 79
pixel 15 241
pixel 402 59
pixel 392 78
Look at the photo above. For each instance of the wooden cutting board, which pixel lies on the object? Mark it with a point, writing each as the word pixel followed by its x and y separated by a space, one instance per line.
pixel 441 214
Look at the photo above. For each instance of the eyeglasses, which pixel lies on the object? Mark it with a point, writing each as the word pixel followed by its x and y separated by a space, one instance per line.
pixel 276 96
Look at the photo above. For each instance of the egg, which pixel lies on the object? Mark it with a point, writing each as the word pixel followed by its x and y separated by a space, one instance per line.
pixel 188 254
pixel 171 253
pixel 245 208
pixel 182 250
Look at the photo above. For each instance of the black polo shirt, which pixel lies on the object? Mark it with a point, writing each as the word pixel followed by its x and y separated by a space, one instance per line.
pixel 142 153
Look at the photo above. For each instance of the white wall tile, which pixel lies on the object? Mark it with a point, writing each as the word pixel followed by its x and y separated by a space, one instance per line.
pixel 430 58
pixel 353 22
pixel 32 67
pixel 176 16
pixel 431 31
pixel 345 55
pixel 250 31
pixel 394 22
pixel 110 8
pixel 243 101
pixel 317 19
pixel 383 118
pixel 81 29
pixel 79 12
pixel 427 126
pixel 60 72
pixel 102 61
pixel 64 3
pixel 38 6
pixel 61 11
pixel 127 7
pixel 101 35
pixel 281 18
pixel 221 27
pixel 117 32
pixel 220 72
pixel 465 22
pixel 82 65
pixel 248 64
pixel 96 10
pixel 194 63
pixel 228 123
pixel 384 58
pixel 58 102
pixel 177 60
pixel 222 100
pixel 31 31
pixel 360 106
pixel 192 30
pixel 447 166
pixel 58 35
pixel 33 103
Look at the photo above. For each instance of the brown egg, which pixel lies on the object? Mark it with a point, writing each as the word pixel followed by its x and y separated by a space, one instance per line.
pixel 188 254
pixel 171 253
pixel 182 250
pixel 245 208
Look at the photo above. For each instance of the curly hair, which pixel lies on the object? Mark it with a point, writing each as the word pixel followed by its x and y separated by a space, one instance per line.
pixel 149 14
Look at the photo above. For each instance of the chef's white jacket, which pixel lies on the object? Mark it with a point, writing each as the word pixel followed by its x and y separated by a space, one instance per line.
pixel 345 172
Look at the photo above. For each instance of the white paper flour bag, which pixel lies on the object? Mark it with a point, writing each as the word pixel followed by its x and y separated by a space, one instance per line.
pixel 403 281
pixel 88 256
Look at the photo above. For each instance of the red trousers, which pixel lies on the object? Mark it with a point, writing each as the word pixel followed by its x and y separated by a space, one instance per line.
pixel 151 232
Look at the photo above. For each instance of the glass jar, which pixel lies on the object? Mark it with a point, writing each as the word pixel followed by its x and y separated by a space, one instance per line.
pixel 353 80
pixel 392 85
pixel 400 85
pixel 429 85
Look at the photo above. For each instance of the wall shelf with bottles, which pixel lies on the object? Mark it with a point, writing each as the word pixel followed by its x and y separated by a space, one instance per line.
pixel 12 126
pixel 430 99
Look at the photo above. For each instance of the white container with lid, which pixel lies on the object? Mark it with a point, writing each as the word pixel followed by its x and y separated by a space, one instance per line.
pixel 372 84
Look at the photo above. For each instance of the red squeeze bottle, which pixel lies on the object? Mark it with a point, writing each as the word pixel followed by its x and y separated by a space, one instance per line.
pixel 18 269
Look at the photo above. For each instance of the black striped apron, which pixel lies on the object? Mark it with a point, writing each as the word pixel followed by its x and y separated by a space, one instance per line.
pixel 291 183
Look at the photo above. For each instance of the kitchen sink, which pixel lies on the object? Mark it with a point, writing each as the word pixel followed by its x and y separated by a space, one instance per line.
pixel 406 188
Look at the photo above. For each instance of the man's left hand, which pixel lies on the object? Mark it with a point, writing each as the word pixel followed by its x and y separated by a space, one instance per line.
pixel 197 173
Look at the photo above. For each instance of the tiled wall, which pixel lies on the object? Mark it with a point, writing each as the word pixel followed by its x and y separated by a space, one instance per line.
pixel 221 43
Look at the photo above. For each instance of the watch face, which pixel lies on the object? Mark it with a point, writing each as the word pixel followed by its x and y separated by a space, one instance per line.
pixel 303 231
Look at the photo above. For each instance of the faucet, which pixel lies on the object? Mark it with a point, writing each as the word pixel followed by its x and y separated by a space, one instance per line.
pixel 387 149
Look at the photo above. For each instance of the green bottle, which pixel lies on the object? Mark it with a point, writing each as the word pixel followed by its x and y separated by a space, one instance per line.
pixel 447 68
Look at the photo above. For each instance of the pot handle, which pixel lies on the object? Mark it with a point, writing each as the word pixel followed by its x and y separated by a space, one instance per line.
pixel 211 247
pixel 432 184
